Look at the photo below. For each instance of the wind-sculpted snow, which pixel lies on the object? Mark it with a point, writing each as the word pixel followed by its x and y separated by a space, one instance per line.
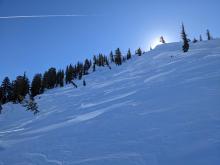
pixel 162 108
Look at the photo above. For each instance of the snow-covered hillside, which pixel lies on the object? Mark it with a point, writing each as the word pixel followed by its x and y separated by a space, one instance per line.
pixel 154 109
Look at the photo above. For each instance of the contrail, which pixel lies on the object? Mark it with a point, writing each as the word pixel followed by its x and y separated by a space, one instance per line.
pixel 41 16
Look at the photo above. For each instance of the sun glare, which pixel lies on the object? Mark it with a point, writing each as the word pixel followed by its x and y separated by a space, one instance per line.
pixel 156 41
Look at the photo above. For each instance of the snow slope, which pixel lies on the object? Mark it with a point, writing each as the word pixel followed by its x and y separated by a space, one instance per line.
pixel 154 110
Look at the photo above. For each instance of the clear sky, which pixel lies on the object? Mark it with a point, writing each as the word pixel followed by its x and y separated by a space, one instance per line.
pixel 35 44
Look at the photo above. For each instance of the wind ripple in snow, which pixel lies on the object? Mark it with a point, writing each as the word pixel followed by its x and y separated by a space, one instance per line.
pixel 157 76
pixel 128 157
pixel 77 119
pixel 44 157
pixel 88 105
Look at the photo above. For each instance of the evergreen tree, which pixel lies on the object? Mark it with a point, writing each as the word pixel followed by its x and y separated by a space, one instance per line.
pixel 118 55
pixel 80 75
pixel 93 67
pixel 75 72
pixel 45 81
pixel 111 57
pixel 20 88
pixel 70 73
pixel 60 78
pixel 185 40
pixel 79 70
pixel 1 95
pixel 195 40
pixel 124 59
pixel 84 83
pixel 36 85
pixel 200 38
pixel 94 60
pixel 209 37
pixel 90 63
pixel 101 60
pixel 67 75
pixel 6 90
pixel 14 92
pixel 139 52
pixel 0 107
pixel 129 54
pixel 51 78
pixel 86 67
pixel 32 106
pixel 106 61
pixel 162 40
pixel 26 85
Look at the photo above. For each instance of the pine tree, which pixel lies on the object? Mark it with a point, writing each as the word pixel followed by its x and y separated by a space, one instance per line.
pixel 6 90
pixel 79 70
pixel 90 62
pixel 20 88
pixel 118 55
pixel 51 78
pixel 124 59
pixel 139 52
pixel 86 67
pixel 209 37
pixel 70 73
pixel 200 38
pixel 106 61
pixel 185 40
pixel 32 106
pixel 111 57
pixel 129 54
pixel 36 85
pixel 195 40
pixel 67 75
pixel 101 60
pixel 94 60
pixel 84 83
pixel 45 81
pixel 93 67
pixel 0 107
pixel 26 85
pixel 14 92
pixel 1 95
pixel 75 72
pixel 80 75
pixel 60 78
pixel 162 40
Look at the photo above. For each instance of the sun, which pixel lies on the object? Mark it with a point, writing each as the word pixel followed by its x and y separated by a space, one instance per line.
pixel 155 42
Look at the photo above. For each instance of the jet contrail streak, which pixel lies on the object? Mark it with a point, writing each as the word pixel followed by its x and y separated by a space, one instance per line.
pixel 41 16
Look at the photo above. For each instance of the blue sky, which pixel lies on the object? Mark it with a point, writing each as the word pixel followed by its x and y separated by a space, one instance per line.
pixel 35 44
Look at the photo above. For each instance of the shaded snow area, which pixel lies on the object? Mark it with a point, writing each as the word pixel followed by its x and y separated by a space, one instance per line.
pixel 154 109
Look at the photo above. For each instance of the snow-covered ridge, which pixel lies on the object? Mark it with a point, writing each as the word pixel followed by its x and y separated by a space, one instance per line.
pixel 160 108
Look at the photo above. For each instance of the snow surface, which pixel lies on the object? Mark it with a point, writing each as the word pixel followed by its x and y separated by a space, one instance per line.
pixel 153 109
